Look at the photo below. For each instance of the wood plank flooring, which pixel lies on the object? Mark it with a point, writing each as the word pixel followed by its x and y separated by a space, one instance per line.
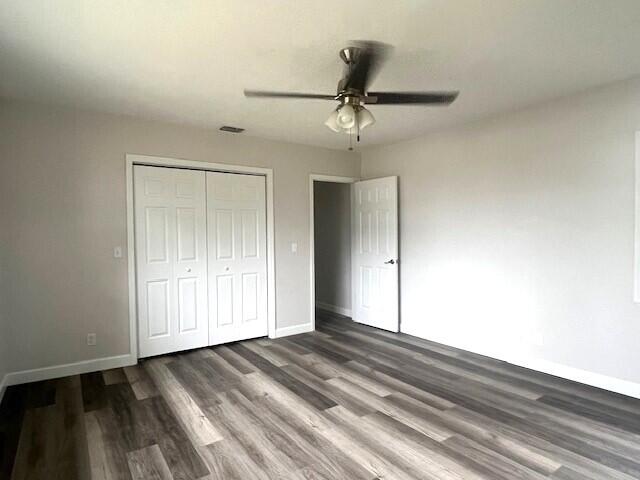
pixel 345 402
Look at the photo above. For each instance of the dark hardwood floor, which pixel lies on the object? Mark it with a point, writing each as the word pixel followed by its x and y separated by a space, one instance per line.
pixel 345 402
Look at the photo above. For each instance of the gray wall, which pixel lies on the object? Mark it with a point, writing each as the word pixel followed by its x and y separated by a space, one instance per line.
pixel 62 201
pixel 332 243
pixel 517 233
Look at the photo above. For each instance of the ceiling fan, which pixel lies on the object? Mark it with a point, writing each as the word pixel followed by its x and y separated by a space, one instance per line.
pixel 363 60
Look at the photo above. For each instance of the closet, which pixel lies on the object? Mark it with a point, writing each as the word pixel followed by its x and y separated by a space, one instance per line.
pixel 201 263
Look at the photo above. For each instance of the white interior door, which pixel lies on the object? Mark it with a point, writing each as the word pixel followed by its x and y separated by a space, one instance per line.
pixel 171 259
pixel 374 253
pixel 237 244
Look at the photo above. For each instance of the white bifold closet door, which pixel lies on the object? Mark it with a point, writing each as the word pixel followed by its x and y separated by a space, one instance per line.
pixel 236 224
pixel 201 258
pixel 171 259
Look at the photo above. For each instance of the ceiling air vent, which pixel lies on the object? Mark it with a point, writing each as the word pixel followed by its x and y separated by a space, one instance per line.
pixel 227 128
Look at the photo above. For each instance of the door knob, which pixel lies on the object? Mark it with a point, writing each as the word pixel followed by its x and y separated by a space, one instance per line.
pixel 390 262
pixel 188 269
pixel 226 269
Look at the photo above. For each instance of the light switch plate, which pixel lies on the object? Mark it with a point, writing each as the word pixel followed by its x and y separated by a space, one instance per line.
pixel 117 252
pixel 294 247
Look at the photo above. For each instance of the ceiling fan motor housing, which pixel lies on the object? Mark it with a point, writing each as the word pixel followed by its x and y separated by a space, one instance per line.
pixel 349 55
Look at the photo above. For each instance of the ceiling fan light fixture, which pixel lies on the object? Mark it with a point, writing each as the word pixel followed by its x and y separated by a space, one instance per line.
pixel 365 118
pixel 362 60
pixel 332 121
pixel 346 118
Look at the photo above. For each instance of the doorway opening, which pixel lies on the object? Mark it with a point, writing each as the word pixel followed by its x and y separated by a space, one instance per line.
pixel 331 252
pixel 354 250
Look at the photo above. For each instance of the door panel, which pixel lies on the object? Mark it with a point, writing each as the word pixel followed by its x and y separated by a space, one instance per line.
pixel 187 234
pixel 171 259
pixel 158 308
pixel 249 232
pixel 250 285
pixel 224 300
pixel 236 206
pixel 224 234
pixel 374 246
pixel 156 233
pixel 188 304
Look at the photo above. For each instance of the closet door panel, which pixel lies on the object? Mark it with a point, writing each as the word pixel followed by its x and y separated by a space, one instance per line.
pixel 171 259
pixel 236 206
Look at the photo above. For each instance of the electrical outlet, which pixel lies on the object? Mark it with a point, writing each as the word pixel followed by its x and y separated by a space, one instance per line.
pixel 91 339
pixel 117 252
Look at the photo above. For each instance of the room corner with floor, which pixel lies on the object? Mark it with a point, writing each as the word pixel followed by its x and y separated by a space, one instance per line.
pixel 320 241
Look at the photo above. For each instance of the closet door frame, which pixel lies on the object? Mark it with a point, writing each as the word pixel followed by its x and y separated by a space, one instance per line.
pixel 133 159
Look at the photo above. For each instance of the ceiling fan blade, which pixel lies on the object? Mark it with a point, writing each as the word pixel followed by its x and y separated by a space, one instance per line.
pixel 369 58
pixel 267 94
pixel 409 98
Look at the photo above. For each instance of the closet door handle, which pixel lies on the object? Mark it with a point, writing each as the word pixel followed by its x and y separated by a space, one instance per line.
pixel 390 262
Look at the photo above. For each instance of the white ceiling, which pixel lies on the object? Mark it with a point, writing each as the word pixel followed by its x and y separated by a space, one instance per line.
pixel 189 60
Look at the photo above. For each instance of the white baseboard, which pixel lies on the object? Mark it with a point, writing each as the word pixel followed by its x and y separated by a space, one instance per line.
pixel 57 371
pixel 293 330
pixel 334 309
pixel 612 384
pixel 625 387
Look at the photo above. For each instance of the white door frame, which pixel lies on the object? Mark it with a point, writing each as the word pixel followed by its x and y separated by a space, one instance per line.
pixel 133 159
pixel 312 254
